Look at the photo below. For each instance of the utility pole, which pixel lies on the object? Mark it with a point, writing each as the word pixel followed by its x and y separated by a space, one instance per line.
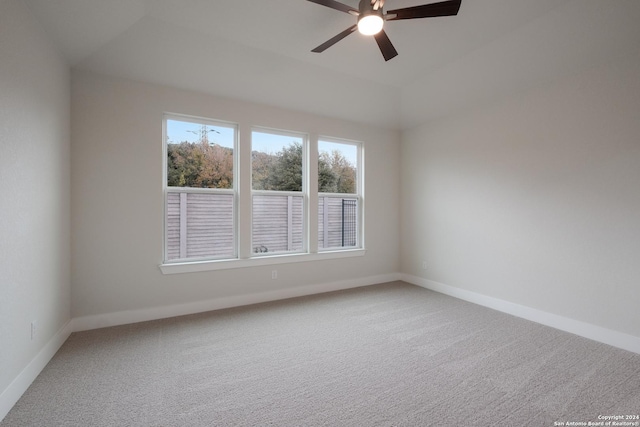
pixel 204 134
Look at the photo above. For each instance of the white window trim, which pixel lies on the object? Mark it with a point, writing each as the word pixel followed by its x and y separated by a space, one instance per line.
pixel 304 193
pixel 166 189
pixel 359 196
pixel 276 259
pixel 244 193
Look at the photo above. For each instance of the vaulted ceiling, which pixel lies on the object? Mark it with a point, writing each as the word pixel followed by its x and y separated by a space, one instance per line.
pixel 260 50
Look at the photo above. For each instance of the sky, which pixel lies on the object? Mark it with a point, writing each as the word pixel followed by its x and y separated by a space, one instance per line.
pixel 179 131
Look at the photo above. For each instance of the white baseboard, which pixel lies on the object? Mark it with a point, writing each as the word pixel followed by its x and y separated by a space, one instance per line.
pixel 14 391
pixel 583 329
pixel 142 315
pixel 21 383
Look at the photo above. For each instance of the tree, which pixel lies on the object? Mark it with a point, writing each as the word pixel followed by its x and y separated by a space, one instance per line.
pixel 199 165
pixel 204 165
pixel 261 164
pixel 183 164
pixel 345 171
pixel 216 168
pixel 327 179
pixel 285 173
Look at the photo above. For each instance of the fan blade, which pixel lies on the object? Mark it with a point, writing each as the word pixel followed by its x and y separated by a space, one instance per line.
pixel 387 49
pixel 324 46
pixel 337 6
pixel 443 8
pixel 377 4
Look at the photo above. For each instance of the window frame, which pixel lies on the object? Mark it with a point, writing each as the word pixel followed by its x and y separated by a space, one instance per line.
pixel 197 190
pixel 243 203
pixel 359 195
pixel 304 191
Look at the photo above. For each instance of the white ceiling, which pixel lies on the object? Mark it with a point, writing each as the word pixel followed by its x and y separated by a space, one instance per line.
pixel 260 50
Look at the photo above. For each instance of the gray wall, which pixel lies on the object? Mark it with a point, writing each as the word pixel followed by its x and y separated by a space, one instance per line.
pixel 34 190
pixel 534 200
pixel 117 162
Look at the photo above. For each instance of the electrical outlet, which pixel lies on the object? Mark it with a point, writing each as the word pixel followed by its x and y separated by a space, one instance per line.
pixel 424 265
pixel 34 328
pixel 274 274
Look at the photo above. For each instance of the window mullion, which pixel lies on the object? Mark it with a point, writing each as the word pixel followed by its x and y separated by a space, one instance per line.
pixel 244 192
pixel 312 186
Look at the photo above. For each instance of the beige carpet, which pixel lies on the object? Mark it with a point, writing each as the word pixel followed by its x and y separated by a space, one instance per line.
pixel 386 355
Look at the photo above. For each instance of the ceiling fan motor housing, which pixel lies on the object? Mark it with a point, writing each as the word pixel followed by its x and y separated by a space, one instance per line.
pixel 370 19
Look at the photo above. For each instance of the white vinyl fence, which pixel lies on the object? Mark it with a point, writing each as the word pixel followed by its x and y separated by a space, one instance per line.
pixel 200 225
pixel 277 223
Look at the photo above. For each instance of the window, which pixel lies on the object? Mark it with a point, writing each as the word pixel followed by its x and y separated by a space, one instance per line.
pixel 200 220
pixel 339 198
pixel 243 200
pixel 278 196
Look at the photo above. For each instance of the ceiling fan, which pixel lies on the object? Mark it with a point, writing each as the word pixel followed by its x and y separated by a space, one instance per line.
pixel 371 19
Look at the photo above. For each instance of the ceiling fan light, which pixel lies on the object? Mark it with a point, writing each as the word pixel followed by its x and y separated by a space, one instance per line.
pixel 370 24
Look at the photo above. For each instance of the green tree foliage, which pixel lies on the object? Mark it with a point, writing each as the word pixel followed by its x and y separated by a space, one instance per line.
pixel 327 179
pixel 278 172
pixel 285 173
pixel 335 173
pixel 345 172
pixel 202 165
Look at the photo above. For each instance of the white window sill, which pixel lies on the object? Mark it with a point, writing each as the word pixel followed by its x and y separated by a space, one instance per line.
pixel 196 266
